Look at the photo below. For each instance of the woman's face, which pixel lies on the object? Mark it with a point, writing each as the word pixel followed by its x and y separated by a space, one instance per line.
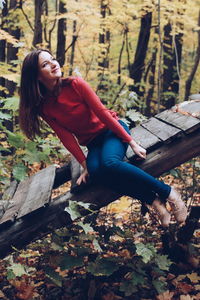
pixel 48 69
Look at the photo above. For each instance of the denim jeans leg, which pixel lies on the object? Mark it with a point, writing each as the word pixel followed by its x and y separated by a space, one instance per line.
pixel 106 160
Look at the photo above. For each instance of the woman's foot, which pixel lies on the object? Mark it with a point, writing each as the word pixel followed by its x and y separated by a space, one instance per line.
pixel 178 206
pixel 164 215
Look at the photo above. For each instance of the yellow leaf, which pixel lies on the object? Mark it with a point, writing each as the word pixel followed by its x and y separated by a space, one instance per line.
pixel 165 296
pixel 4 35
pixel 194 278
pixel 12 76
pixel 186 297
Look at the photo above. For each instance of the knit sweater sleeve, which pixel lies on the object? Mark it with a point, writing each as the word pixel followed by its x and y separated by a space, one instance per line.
pixel 67 139
pixel 100 110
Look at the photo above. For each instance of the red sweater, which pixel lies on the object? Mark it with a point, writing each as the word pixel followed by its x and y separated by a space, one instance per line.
pixel 77 116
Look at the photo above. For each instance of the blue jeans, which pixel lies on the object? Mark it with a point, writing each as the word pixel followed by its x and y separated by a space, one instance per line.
pixel 106 165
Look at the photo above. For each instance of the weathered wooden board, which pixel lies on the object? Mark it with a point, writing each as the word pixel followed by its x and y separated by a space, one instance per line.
pixel 191 107
pixel 186 123
pixel 8 194
pixel 163 131
pixel 145 138
pixel 39 191
pixel 195 97
pixel 16 202
pixel 31 194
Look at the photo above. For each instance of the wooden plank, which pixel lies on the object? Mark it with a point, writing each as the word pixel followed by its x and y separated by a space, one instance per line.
pixel 163 131
pixel 195 97
pixel 190 107
pixel 39 191
pixel 16 202
pixel 9 192
pixel 186 123
pixel 144 137
pixel 7 195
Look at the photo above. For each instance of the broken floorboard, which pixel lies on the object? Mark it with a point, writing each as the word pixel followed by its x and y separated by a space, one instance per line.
pixel 164 154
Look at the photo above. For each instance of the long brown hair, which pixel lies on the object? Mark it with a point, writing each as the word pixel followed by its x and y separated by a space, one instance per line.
pixel 32 95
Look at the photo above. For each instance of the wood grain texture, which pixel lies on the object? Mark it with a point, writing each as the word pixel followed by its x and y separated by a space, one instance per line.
pixel 186 123
pixel 17 201
pixel 39 191
pixel 163 131
pixel 190 107
pixel 144 137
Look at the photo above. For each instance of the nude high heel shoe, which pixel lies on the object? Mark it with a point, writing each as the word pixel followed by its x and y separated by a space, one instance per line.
pixel 164 215
pixel 178 207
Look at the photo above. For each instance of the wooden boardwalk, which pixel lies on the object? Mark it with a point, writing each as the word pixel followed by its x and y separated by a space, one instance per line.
pixel 170 137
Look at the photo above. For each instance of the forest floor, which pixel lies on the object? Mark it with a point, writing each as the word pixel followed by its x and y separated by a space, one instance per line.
pixel 104 262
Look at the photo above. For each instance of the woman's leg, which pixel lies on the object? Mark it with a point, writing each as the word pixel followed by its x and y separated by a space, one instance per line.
pixel 105 163
pixel 128 178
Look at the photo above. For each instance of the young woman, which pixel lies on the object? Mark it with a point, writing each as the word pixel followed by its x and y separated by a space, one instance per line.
pixel 78 117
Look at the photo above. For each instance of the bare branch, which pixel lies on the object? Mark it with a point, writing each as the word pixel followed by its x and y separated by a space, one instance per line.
pixel 26 17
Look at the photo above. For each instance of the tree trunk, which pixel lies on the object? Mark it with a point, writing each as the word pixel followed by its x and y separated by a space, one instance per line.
pixel 104 42
pixel 12 51
pixel 12 55
pixel 194 69
pixel 73 44
pixel 172 57
pixel 150 92
pixel 120 58
pixel 172 62
pixel 61 35
pixel 138 65
pixel 37 39
pixel 168 61
pixel 3 44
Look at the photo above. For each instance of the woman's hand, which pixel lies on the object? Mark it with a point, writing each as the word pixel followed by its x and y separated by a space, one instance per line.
pixel 141 152
pixel 84 175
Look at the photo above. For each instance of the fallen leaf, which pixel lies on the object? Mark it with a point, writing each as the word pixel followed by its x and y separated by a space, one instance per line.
pixel 197 288
pixel 125 253
pixel 111 296
pixel 180 277
pixel 194 278
pixel 186 297
pixel 25 290
pixel 197 297
pixel 165 296
pixel 2 295
pixel 184 287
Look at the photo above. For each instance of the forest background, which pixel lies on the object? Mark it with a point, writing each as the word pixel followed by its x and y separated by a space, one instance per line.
pixel 141 57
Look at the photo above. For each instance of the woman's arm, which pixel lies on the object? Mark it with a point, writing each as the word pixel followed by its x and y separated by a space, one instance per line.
pixel 105 116
pixel 68 140
pixel 99 109
pixel 72 146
